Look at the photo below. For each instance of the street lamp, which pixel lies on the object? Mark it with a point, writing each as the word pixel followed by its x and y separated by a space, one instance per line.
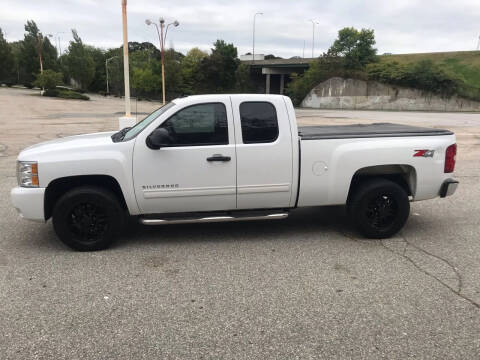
pixel 253 47
pixel 313 34
pixel 106 69
pixel 162 36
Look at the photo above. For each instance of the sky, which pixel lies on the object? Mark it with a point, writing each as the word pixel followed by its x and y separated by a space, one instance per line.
pixel 402 26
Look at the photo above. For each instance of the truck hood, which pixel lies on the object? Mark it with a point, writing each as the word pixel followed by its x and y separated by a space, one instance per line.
pixel 67 144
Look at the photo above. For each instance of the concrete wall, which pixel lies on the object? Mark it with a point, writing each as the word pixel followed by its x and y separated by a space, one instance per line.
pixel 338 93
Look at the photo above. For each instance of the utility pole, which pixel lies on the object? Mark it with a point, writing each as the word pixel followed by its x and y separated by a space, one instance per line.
pixel 106 70
pixel 57 38
pixel 478 44
pixel 162 38
pixel 313 35
pixel 303 53
pixel 253 47
pixel 127 120
pixel 126 75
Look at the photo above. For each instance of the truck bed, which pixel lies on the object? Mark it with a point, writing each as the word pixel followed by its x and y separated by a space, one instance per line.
pixel 366 131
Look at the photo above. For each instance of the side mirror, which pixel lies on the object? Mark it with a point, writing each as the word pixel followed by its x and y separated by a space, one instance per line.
pixel 158 138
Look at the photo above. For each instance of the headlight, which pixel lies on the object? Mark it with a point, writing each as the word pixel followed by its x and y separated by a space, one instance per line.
pixel 27 173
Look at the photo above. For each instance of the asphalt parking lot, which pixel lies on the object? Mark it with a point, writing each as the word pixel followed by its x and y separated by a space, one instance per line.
pixel 304 288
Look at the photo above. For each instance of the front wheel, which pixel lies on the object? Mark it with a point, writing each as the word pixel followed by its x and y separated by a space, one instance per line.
pixel 379 208
pixel 87 218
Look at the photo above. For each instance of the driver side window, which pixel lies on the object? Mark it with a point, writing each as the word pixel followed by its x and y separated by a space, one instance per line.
pixel 196 125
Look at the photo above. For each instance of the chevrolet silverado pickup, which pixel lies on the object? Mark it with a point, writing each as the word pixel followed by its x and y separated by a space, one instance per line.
pixel 214 158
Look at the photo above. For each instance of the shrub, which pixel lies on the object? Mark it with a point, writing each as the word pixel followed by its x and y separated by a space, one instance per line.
pixel 69 94
pixel 51 92
pixel 49 79
pixel 65 94
pixel 423 75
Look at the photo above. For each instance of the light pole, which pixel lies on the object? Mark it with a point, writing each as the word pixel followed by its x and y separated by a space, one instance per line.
pixel 253 46
pixel 313 34
pixel 106 69
pixel 57 38
pixel 162 37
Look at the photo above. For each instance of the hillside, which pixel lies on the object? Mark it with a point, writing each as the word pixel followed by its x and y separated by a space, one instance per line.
pixel 465 64
pixel 445 74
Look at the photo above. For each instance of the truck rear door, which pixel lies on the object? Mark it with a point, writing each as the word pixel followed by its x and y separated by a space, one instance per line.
pixel 264 152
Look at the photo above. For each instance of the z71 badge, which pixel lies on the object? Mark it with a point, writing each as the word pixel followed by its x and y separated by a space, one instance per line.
pixel 424 153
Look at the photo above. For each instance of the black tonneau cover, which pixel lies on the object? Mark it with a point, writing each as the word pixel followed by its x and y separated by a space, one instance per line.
pixel 366 131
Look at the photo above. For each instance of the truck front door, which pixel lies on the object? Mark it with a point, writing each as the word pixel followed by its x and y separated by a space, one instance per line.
pixel 197 171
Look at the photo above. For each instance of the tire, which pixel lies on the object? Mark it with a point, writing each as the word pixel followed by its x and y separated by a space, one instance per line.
pixel 379 208
pixel 88 218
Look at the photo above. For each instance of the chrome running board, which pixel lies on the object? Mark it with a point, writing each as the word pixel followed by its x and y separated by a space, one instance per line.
pixel 211 219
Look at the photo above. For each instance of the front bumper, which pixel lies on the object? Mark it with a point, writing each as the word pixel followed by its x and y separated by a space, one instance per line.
pixel 29 202
pixel 448 188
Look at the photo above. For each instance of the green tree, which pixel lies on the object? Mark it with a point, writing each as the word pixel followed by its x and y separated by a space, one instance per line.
pixel 355 47
pixel 144 62
pixel 243 82
pixel 173 75
pixel 217 72
pixel 7 72
pixel 145 70
pixel 146 73
pixel 190 70
pixel 33 44
pixel 270 57
pixel 79 62
pixel 145 81
pixel 19 73
pixel 48 80
pixel 99 78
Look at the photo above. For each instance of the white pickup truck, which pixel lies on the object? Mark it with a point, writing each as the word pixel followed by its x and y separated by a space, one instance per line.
pixel 214 158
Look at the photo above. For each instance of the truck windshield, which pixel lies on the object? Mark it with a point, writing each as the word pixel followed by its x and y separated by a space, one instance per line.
pixel 137 129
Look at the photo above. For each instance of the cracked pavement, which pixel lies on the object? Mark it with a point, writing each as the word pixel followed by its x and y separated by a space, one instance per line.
pixel 307 287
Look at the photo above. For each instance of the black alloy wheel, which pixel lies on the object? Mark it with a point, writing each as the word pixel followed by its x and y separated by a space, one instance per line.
pixel 382 211
pixel 88 222
pixel 379 208
pixel 88 218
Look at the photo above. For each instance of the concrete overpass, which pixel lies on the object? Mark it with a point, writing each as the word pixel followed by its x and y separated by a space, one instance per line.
pixel 276 69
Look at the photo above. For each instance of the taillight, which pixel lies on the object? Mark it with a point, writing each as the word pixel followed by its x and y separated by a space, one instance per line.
pixel 450 157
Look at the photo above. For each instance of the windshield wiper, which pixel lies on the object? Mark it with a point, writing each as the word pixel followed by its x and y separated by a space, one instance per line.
pixel 118 136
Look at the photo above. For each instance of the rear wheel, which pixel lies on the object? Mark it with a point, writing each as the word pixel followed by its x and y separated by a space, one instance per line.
pixel 88 218
pixel 379 208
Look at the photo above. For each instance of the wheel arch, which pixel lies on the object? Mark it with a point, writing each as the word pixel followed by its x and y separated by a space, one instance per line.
pixel 403 175
pixel 56 188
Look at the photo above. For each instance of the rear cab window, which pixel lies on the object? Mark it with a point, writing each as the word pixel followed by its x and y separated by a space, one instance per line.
pixel 259 122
